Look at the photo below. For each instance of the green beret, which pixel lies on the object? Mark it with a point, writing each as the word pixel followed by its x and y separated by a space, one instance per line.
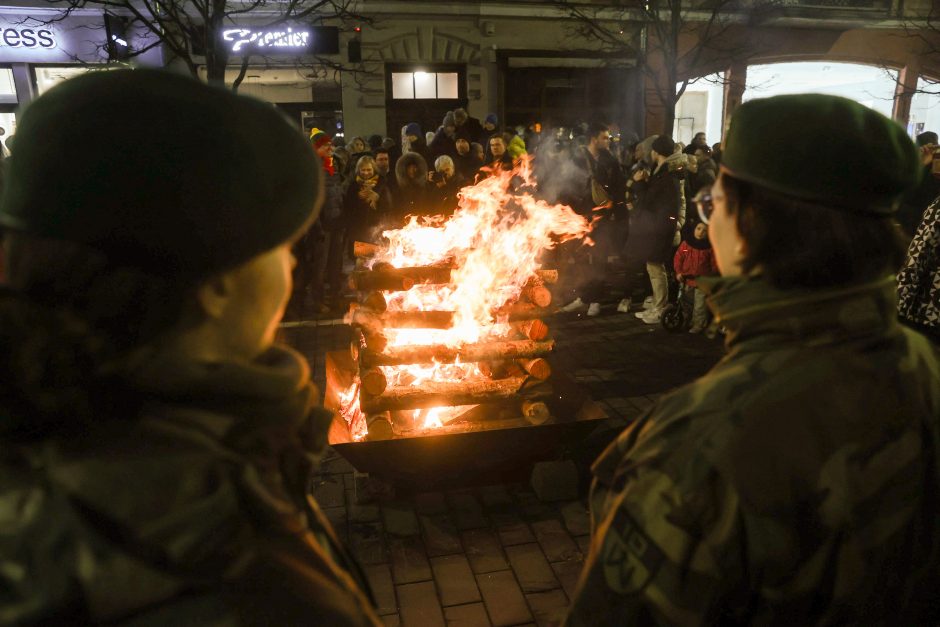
pixel 160 172
pixel 823 149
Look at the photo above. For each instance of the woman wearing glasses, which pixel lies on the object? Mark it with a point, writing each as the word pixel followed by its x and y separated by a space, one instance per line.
pixel 797 482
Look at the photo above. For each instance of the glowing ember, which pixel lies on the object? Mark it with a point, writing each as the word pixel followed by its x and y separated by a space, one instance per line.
pixel 493 244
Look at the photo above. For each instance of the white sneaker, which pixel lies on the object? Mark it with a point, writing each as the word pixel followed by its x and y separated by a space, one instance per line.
pixel 696 329
pixel 624 306
pixel 651 317
pixel 574 305
pixel 647 303
pixel 594 309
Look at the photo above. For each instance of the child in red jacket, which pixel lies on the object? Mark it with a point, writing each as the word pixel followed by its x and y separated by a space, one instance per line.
pixel 695 258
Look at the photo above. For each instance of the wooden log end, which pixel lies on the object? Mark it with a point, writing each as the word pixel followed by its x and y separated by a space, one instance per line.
pixel 375 301
pixel 538 368
pixel 373 381
pixel 535 330
pixel 364 249
pixel 538 296
pixel 380 427
pixel 536 412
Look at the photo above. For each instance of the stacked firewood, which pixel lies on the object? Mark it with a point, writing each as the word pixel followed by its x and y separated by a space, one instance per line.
pixel 513 367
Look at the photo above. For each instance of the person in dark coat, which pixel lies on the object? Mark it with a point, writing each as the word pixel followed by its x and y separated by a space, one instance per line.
pixel 497 157
pixel 468 126
pixel 411 198
pixel 443 185
pixel 156 452
pixel 417 142
pixel 466 163
pixel 366 203
pixel 653 226
pixel 327 262
pixel 443 142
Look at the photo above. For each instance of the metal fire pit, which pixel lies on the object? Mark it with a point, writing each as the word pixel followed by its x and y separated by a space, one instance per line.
pixel 498 442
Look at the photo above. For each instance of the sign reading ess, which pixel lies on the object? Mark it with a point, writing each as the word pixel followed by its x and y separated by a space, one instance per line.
pixel 15 37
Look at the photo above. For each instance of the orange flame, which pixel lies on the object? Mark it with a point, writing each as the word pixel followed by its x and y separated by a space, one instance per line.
pixel 493 242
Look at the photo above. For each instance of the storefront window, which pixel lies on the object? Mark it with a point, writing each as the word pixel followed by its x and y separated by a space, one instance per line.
pixel 7 87
pixel 925 108
pixel 49 77
pixel 425 85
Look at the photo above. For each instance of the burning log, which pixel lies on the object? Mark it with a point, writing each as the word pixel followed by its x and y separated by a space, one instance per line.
pixel 400 319
pixel 538 296
pixel 439 394
pixel 365 249
pixel 521 311
pixel 532 329
pixel 549 277
pixel 373 381
pixel 375 301
pixel 495 351
pixel 388 278
pixel 538 367
pixel 380 427
pixel 536 412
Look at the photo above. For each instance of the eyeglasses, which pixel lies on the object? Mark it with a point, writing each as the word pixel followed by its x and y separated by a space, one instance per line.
pixel 703 201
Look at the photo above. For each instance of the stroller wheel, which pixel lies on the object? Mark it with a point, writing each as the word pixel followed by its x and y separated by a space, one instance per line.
pixel 672 318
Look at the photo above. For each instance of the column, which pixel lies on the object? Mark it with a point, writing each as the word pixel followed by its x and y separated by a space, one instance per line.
pixel 904 93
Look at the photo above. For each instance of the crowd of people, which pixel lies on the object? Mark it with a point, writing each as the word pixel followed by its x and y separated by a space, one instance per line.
pixel 640 193
pixel 157 443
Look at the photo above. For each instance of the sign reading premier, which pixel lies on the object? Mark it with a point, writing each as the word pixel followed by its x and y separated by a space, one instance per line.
pixel 277 39
pixel 15 37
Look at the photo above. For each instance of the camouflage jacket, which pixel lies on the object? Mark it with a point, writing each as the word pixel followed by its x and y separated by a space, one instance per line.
pixel 195 513
pixel 794 484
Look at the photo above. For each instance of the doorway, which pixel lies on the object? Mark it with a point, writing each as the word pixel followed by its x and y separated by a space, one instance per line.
pixel 423 94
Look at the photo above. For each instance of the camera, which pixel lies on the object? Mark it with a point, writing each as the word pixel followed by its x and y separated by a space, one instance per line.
pixel 437 177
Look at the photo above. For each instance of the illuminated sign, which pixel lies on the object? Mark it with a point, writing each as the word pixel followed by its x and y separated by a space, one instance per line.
pixel 14 37
pixel 249 39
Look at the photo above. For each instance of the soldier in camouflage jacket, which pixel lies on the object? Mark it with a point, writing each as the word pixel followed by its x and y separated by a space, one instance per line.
pixel 797 482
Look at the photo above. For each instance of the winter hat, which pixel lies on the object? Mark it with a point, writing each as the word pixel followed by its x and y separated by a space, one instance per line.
pixel 926 138
pixel 232 180
pixel 460 116
pixel 375 141
pixel 862 161
pixel 388 143
pixel 318 138
pixel 491 119
pixel 413 128
pixel 449 120
pixel 664 145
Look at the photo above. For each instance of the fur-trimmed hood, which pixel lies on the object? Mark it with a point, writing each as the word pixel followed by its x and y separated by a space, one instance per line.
pixel 402 165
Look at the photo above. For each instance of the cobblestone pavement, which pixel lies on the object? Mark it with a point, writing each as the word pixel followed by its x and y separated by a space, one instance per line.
pixel 496 554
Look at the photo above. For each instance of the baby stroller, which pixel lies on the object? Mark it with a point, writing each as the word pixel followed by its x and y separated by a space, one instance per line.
pixel 677 315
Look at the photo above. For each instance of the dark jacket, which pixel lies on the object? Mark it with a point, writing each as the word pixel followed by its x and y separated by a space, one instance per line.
pixel 182 501
pixel 606 170
pixel 467 166
pixel 442 144
pixel 443 198
pixel 654 218
pixel 473 130
pixel 411 197
pixel 331 214
pixel 794 484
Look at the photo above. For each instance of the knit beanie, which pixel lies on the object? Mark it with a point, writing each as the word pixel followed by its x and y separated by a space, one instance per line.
pixel 460 116
pixel 664 145
pixel 491 119
pixel 319 138
pixel 413 128
pixel 225 179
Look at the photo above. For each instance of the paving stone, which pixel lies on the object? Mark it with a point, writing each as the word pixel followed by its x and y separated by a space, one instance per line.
pixel 430 503
pixel 512 530
pixel 419 605
pixel 549 607
pixel 391 620
pixel 440 535
pixel 454 580
pixel 380 579
pixel 471 615
pixel 555 480
pixel 337 518
pixel 483 551
pixel 531 507
pixel 555 541
pixel 367 543
pixel 503 598
pixel 496 497
pixel 576 518
pixel 568 574
pixel 329 491
pixel 361 512
pixel 642 403
pixel 409 563
pixel 531 568
pixel 400 519
pixel 467 511
pixel 370 489
pixel 584 543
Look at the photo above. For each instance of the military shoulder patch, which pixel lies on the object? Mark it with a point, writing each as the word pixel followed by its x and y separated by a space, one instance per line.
pixel 630 558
